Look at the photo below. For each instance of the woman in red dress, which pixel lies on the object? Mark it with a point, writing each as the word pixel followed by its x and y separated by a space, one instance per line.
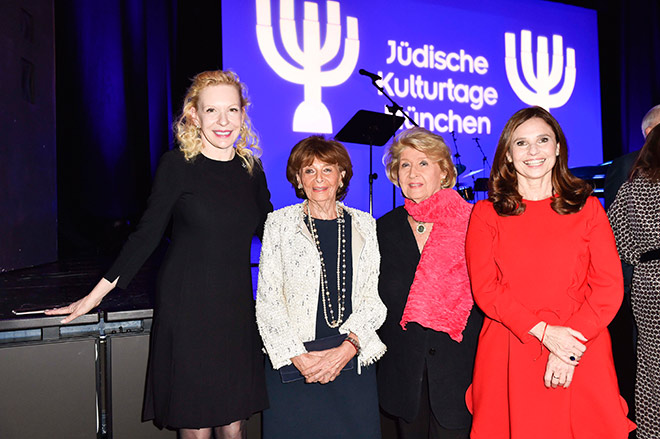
pixel 545 271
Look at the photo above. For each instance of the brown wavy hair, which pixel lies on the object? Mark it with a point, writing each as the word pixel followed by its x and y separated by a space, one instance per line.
pixel 327 151
pixel 570 192
pixel 648 161
pixel 188 135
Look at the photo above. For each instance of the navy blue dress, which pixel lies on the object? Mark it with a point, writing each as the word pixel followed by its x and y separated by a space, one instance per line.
pixel 346 408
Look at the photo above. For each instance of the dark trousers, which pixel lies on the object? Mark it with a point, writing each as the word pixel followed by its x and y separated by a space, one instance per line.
pixel 425 424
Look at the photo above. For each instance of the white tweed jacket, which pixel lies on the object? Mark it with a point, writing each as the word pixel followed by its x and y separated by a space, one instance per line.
pixel 289 279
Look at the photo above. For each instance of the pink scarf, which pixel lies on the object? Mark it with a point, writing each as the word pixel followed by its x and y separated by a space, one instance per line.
pixel 440 297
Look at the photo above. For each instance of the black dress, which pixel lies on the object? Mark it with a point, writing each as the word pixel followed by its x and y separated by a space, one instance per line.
pixel 410 353
pixel 346 408
pixel 205 364
pixel 635 220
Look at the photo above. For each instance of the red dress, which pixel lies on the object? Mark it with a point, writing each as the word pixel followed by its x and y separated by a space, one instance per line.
pixel 562 269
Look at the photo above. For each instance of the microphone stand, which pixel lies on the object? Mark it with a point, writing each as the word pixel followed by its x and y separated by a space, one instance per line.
pixel 393 109
pixel 457 156
pixel 465 192
pixel 484 159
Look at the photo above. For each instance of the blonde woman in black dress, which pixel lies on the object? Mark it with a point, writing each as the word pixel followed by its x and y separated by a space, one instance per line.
pixel 206 369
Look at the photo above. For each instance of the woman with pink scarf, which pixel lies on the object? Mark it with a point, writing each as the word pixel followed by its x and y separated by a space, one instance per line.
pixel 432 324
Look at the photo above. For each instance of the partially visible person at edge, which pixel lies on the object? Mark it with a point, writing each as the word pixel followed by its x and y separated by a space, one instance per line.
pixel 619 170
pixel 635 219
pixel 432 325
pixel 318 279
pixel 545 271
pixel 622 328
pixel 205 371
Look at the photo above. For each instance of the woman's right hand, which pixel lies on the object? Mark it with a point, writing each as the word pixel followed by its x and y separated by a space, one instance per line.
pixel 562 341
pixel 86 304
pixel 307 364
pixel 324 366
pixel 557 373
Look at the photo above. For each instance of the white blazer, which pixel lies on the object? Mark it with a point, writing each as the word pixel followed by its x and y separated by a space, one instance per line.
pixel 289 279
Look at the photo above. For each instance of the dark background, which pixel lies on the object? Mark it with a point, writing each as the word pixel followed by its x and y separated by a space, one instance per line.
pixel 28 201
pixel 121 68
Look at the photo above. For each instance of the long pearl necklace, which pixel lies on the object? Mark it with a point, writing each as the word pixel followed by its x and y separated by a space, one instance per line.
pixel 328 309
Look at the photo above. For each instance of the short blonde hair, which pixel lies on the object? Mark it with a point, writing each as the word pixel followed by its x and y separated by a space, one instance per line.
pixel 424 141
pixel 188 134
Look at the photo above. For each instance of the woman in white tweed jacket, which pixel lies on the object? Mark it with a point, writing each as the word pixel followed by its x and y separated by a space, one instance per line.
pixel 318 279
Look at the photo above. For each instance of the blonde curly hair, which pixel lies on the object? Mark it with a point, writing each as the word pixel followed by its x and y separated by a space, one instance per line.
pixel 423 140
pixel 188 134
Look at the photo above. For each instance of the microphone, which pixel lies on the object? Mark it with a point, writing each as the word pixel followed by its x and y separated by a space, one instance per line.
pixel 374 77
pixel 475 138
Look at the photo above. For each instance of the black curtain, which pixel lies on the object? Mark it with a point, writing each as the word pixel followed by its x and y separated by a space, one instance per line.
pixel 629 40
pixel 122 70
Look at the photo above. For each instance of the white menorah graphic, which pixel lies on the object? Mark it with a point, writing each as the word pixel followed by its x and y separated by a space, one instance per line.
pixel 545 79
pixel 311 116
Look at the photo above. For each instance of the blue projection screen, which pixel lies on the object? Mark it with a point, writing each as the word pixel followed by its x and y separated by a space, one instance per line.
pixel 454 65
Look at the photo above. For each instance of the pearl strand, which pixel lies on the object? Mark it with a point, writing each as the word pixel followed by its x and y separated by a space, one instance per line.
pixel 341 270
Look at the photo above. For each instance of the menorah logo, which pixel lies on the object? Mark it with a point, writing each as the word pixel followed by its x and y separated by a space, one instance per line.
pixel 545 79
pixel 311 116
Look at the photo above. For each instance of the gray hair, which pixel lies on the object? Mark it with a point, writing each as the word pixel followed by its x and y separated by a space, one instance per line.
pixel 651 119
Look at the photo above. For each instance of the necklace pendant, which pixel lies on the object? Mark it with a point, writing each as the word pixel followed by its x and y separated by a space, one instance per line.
pixel 421 228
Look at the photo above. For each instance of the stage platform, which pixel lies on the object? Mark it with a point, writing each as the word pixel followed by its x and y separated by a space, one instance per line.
pixel 80 380
pixel 85 379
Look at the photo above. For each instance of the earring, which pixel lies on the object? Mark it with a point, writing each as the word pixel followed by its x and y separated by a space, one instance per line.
pixel 299 185
pixel 341 185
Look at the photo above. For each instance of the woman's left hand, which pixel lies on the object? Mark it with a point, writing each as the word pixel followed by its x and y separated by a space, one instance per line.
pixel 331 362
pixel 557 373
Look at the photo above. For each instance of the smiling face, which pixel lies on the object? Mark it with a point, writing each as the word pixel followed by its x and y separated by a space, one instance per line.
pixel 419 176
pixel 320 181
pixel 219 116
pixel 534 152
